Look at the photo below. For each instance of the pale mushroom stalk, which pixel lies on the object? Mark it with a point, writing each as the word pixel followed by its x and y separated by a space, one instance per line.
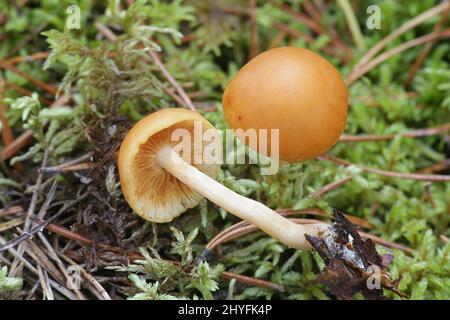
pixel 252 211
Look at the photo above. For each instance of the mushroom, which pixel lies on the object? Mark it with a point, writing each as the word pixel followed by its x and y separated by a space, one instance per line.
pixel 159 183
pixel 293 90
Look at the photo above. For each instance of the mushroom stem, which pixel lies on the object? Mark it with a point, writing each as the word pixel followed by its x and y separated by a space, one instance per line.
pixel 263 217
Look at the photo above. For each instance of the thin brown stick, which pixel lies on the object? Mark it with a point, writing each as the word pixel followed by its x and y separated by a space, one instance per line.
pixel 360 222
pixel 282 27
pixel 254 40
pixel 426 49
pixel 187 101
pixel 7 134
pixel 398 32
pixel 383 137
pixel 35 56
pixel 252 281
pixel 312 11
pixel 26 92
pixel 437 167
pixel 400 48
pixel 331 186
pixel 44 86
pixel 104 30
pixel 42 260
pixel 14 147
pixel 287 212
pixel 69 163
pixel 45 284
pixel 245 230
pixel 184 97
pixel 11 211
pixel 26 137
pixel 278 39
pixel 102 294
pixel 386 243
pixel 391 174
pixel 235 10
pixel 69 168
pixel 318 28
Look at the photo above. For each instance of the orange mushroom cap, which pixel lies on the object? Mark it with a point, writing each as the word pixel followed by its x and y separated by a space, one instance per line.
pixel 152 192
pixel 293 90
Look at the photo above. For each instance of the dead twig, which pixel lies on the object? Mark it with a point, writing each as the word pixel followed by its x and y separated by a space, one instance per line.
pixel 400 48
pixel 11 211
pixel 398 32
pixel 69 168
pixel 7 134
pixel 437 167
pixel 391 174
pixel 247 229
pixel 331 186
pixel 319 29
pixel 187 101
pixel 14 147
pixel 26 137
pixel 426 49
pixel 284 212
pixel 254 40
pixel 383 137
pixel 184 97
pixel 99 291
pixel 42 85
pixel 45 284
pixel 35 56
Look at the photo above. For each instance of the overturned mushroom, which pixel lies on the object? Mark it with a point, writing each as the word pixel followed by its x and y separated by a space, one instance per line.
pixel 160 184
pixel 290 89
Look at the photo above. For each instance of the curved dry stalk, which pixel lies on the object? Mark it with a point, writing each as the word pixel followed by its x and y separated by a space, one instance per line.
pixel 10 150
pixel 401 30
pixel 383 137
pixel 26 137
pixel 426 49
pixel 6 131
pixel 400 48
pixel 254 40
pixel 286 212
pixel 437 167
pixel 391 174
pixel 248 229
pixel 318 28
pixel 352 23
pixel 331 186
pixel 187 102
pixel 35 56
pixel 44 86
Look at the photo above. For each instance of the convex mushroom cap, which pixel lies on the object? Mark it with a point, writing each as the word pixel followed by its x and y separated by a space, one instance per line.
pixel 293 90
pixel 151 191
